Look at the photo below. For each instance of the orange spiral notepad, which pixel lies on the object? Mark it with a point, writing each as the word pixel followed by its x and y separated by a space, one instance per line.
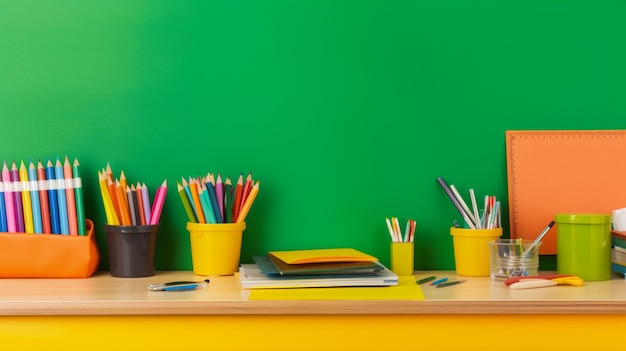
pixel 562 171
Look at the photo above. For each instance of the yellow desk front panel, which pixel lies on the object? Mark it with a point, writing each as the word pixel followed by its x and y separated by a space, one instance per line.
pixel 104 313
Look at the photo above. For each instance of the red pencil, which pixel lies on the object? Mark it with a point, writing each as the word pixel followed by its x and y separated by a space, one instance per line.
pixel 246 191
pixel 43 198
pixel 140 207
pixel 237 202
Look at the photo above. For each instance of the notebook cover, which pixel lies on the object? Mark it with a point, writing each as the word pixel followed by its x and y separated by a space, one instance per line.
pixel 322 255
pixel 271 265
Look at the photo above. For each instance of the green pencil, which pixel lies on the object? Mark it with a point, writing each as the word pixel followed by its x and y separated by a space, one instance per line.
pixel 78 194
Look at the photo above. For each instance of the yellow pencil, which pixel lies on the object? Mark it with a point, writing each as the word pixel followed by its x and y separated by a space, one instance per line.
pixel 106 199
pixel 27 207
pixel 248 203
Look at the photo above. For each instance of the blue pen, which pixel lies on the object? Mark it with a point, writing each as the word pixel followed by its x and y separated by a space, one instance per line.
pixel 439 281
pixel 178 286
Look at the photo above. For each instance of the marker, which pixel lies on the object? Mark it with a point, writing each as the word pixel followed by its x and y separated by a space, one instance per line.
pixel 427 279
pixel 450 283
pixel 438 281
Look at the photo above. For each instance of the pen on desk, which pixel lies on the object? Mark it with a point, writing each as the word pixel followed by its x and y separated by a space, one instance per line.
pixel 439 281
pixel 450 283
pixel 541 235
pixel 425 280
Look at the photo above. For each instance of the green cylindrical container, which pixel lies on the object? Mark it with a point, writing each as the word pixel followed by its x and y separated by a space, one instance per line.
pixel 583 245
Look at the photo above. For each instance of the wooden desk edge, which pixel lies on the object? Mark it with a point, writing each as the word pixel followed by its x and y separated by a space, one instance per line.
pixel 381 307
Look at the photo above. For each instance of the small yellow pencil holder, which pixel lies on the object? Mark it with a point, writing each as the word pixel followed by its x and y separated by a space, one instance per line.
pixel 402 258
pixel 471 250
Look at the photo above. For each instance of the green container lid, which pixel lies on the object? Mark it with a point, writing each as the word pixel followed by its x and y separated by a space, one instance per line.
pixel 584 218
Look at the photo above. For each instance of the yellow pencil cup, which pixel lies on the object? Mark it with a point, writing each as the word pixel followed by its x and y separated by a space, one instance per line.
pixel 402 258
pixel 471 250
pixel 215 248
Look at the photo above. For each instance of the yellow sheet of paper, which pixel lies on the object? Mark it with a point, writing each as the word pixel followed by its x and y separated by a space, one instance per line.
pixel 406 289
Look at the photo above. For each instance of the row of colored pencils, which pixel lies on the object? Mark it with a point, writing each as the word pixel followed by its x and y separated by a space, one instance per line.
pixel 395 232
pixel 129 204
pixel 42 200
pixel 208 199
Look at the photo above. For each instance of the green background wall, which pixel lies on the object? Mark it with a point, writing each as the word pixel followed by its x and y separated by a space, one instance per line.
pixel 346 111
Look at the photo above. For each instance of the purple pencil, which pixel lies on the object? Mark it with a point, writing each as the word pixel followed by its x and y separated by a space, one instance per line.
pixel 17 198
pixel 9 199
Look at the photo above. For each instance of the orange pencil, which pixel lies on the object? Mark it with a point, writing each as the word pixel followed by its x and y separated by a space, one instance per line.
pixel 193 187
pixel 140 207
pixel 237 202
pixel 120 193
pixel 123 184
pixel 249 200
pixel 113 195
pixel 70 197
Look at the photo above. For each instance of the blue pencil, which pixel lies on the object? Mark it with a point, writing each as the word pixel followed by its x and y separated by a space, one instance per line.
pixel 61 199
pixel 3 213
pixel 211 189
pixel 34 198
pixel 52 199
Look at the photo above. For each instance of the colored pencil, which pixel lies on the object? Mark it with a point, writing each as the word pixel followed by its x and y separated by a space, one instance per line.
pixel 114 198
pixel 246 189
pixel 145 197
pixel 238 191
pixel 62 198
pixel 186 204
pixel 195 199
pixel 27 208
pixel 124 184
pixel 228 200
pixel 9 199
pixel 34 198
pixel 43 198
pixel 139 204
pixel 132 208
pixel 205 202
pixel 53 202
pixel 17 195
pixel 70 197
pixel 112 218
pixel 219 195
pixel 121 193
pixel 210 185
pixel 248 203
pixel 3 213
pixel 159 200
pixel 80 204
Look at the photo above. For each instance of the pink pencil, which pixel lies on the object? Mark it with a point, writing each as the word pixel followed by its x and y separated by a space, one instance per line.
pixel 8 199
pixel 69 195
pixel 157 206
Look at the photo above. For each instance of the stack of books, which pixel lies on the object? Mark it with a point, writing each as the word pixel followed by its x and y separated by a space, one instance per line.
pixel 336 267
pixel 618 252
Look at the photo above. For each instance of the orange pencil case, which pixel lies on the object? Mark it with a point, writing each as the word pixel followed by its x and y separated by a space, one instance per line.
pixel 25 255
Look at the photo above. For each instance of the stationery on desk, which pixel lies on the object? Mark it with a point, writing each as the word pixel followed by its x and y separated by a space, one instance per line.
pixel 129 205
pixel 315 268
pixel 42 200
pixel 212 200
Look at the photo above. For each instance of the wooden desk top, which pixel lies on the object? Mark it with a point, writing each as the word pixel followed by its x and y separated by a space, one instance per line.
pixel 102 294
